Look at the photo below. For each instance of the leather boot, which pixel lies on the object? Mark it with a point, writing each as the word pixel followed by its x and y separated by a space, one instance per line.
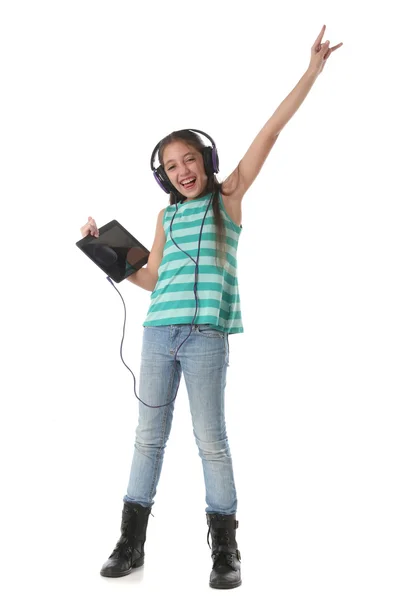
pixel 225 554
pixel 129 551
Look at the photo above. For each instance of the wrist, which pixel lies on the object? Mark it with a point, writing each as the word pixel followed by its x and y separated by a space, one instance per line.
pixel 312 72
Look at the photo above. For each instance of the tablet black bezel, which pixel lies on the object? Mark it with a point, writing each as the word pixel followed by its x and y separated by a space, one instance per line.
pixel 87 239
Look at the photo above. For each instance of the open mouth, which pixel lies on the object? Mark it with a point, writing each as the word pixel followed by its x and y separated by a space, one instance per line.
pixel 188 184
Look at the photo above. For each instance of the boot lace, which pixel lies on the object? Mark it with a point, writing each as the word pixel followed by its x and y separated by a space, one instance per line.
pixel 222 555
pixel 127 542
pixel 124 548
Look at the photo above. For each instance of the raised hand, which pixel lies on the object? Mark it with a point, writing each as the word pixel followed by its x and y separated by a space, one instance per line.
pixel 320 52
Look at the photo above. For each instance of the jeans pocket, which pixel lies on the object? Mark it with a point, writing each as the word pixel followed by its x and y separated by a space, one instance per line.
pixel 209 331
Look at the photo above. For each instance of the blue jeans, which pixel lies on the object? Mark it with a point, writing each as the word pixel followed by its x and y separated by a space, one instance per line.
pixel 203 359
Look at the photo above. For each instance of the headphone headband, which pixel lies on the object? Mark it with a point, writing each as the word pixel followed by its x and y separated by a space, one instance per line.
pixel 194 130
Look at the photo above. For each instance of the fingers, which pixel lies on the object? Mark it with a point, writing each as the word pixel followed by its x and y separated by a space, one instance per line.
pixel 317 44
pixel 93 227
pixel 319 38
pixel 90 228
pixel 335 47
pixel 328 53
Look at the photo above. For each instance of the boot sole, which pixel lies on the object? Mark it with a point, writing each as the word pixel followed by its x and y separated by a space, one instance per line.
pixel 136 565
pixel 225 587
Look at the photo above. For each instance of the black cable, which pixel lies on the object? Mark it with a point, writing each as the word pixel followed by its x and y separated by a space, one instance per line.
pixel 122 359
pixel 196 269
pixel 196 307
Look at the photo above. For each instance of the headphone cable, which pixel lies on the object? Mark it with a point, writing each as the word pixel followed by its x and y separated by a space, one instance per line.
pixel 196 308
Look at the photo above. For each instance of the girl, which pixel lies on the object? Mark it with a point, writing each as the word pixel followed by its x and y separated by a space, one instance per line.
pixel 195 305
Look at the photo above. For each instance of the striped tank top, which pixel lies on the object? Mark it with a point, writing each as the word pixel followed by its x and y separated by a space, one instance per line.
pixel 173 299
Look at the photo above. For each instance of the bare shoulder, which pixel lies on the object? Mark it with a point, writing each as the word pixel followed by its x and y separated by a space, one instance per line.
pixel 161 215
pixel 160 224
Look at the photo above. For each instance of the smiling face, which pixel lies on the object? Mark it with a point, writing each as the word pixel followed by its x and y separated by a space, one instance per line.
pixel 184 166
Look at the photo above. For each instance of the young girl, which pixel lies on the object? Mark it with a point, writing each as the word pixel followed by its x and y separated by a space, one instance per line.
pixel 195 305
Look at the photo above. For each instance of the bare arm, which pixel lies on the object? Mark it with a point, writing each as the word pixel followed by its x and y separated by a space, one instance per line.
pixel 147 277
pixel 253 160
pixel 251 163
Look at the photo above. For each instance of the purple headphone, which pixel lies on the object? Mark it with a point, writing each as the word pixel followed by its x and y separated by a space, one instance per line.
pixel 210 161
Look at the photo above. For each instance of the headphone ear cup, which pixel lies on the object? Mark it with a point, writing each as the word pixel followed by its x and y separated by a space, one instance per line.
pixel 215 160
pixel 210 160
pixel 207 160
pixel 162 179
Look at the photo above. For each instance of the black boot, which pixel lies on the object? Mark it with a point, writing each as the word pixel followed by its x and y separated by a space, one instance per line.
pixel 225 554
pixel 129 550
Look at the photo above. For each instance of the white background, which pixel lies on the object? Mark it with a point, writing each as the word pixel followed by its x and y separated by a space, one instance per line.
pixel 87 90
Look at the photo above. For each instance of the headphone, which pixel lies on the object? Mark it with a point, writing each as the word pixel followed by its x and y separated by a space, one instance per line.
pixel 210 162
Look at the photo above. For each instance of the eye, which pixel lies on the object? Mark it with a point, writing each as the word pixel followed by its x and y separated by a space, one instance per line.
pixel 170 168
pixel 190 159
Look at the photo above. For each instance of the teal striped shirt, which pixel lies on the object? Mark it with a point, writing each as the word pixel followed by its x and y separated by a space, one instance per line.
pixel 173 299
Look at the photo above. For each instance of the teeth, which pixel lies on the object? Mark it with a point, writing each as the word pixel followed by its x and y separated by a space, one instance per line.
pixel 188 181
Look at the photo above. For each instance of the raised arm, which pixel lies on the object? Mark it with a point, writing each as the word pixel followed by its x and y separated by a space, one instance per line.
pixel 250 165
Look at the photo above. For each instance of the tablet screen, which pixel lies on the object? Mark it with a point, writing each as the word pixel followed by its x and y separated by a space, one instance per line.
pixel 115 251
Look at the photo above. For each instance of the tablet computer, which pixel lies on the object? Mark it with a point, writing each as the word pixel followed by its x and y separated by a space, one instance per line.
pixel 115 251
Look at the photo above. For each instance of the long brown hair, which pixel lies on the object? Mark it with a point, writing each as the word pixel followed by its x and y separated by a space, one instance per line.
pixel 212 186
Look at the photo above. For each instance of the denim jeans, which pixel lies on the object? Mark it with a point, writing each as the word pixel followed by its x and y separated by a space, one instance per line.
pixel 203 360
